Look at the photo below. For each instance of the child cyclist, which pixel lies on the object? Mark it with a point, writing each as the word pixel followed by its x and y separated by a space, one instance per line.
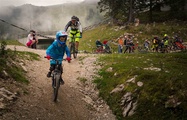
pixel 56 51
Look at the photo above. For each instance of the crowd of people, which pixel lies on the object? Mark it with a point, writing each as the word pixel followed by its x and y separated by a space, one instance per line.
pixel 165 44
pixel 127 44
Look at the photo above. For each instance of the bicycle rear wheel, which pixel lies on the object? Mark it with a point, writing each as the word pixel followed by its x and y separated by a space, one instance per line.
pixel 74 53
pixel 56 85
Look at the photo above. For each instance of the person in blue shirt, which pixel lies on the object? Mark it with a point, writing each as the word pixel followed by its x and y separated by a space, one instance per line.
pixel 56 51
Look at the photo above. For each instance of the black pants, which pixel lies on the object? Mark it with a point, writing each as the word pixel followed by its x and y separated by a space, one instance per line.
pixel 128 48
pixel 52 67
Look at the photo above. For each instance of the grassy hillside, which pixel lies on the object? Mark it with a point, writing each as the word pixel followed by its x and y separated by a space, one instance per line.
pixel 10 65
pixel 163 94
pixel 158 81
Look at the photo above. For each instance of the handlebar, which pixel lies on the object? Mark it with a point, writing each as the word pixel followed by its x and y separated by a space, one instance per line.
pixel 57 60
pixel 53 58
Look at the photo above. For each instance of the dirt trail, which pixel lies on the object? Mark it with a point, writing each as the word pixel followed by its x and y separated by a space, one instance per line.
pixel 76 101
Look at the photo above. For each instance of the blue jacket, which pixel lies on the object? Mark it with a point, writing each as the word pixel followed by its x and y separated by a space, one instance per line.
pixel 57 51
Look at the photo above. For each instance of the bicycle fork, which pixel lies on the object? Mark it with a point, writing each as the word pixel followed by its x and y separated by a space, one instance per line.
pixel 56 78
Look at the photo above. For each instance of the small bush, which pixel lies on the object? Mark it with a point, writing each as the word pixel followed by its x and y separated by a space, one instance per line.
pixel 2 47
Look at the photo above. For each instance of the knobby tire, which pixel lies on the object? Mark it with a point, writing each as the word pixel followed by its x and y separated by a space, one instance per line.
pixel 56 85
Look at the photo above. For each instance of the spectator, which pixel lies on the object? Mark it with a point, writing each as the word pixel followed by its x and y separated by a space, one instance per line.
pixel 127 44
pixel 120 44
pixel 155 43
pixel 98 43
pixel 106 47
pixel 31 39
pixel 36 41
pixel 166 43
pixel 146 45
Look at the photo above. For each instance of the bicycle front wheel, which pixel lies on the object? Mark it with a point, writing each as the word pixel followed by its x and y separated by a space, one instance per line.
pixel 56 85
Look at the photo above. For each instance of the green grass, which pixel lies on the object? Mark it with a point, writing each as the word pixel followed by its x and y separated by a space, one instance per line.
pixel 12 42
pixel 10 64
pixel 157 85
pixel 28 55
pixel 82 79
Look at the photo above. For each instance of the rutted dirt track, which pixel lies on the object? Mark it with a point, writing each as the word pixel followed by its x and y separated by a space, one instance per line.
pixel 76 101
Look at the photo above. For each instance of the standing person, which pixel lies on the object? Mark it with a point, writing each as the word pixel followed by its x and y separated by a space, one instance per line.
pixel 146 45
pixel 132 48
pixel 166 43
pixel 127 43
pixel 120 44
pixel 155 44
pixel 76 30
pixel 56 50
pixel 31 39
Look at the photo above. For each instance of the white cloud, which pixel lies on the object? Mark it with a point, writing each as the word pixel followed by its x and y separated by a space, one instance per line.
pixel 35 2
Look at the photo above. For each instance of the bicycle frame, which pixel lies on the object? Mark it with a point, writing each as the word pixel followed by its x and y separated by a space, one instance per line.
pixel 72 47
pixel 56 74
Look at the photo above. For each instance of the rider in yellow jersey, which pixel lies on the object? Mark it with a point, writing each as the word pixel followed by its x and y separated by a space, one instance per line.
pixel 76 30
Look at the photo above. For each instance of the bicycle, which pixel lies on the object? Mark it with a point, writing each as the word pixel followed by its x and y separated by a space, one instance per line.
pixel 72 47
pixel 56 74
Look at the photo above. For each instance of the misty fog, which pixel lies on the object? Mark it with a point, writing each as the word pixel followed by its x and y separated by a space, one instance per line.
pixel 48 19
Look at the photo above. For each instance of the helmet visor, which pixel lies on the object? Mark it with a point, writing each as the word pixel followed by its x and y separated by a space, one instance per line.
pixel 62 38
